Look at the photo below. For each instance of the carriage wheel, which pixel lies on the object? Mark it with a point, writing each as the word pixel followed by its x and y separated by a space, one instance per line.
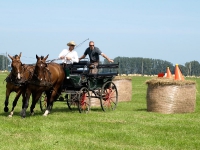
pixel 109 96
pixel 43 102
pixel 84 100
pixel 72 101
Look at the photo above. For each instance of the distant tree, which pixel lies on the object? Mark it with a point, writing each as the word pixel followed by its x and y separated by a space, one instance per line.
pixel 139 65
pixel 4 63
pixel 183 70
pixel 148 66
pixel 192 68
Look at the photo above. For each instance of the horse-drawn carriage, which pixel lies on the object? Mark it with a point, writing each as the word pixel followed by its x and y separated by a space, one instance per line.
pixel 82 86
pixel 49 78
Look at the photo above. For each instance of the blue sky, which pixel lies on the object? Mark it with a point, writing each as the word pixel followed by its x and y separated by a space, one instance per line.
pixel 158 29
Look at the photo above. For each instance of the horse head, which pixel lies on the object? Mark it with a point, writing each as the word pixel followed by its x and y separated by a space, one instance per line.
pixel 40 67
pixel 17 66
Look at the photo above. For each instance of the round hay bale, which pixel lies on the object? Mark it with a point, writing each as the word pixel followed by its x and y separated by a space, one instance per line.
pixel 124 88
pixel 171 96
pixel 95 101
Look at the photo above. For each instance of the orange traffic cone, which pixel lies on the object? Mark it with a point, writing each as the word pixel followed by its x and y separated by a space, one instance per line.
pixel 169 74
pixel 178 74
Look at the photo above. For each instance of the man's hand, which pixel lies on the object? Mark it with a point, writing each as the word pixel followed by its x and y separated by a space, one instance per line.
pixel 68 58
pixel 110 60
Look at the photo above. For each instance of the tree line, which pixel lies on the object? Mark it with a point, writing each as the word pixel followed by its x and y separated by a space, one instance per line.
pixel 148 66
pixel 4 63
pixel 136 65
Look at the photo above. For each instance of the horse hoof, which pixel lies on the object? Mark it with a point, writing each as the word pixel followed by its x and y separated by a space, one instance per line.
pixel 23 117
pixel 32 113
pixel 6 109
pixel 46 113
pixel 10 116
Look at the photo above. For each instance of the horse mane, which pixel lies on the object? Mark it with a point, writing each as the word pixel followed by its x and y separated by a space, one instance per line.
pixel 15 56
pixel 42 57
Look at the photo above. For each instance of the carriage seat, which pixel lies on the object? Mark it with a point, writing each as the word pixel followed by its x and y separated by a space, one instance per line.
pixel 111 74
pixel 79 68
pixel 108 66
pixel 71 84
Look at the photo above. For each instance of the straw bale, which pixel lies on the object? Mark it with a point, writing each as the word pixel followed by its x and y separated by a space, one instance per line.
pixel 124 88
pixel 95 101
pixel 122 78
pixel 166 81
pixel 168 96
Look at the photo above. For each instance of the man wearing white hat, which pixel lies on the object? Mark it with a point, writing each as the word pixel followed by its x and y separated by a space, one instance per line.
pixel 69 56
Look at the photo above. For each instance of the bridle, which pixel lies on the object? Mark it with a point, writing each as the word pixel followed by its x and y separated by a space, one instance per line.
pixel 40 72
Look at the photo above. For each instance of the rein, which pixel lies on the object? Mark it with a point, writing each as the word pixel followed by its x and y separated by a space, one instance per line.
pixel 40 82
pixel 13 79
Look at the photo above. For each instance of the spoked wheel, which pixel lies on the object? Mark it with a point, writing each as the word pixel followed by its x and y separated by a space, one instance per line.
pixel 84 100
pixel 109 96
pixel 43 102
pixel 72 101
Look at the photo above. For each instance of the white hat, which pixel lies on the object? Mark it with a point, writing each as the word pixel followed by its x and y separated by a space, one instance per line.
pixel 71 43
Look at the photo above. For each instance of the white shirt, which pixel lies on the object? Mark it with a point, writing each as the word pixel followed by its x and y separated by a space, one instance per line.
pixel 67 53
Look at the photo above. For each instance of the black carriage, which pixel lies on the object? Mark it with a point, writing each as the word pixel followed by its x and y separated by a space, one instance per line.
pixel 81 86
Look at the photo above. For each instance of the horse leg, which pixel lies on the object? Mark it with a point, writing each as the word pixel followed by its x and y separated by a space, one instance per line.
pixel 25 103
pixel 35 98
pixel 15 102
pixel 32 105
pixel 7 100
pixel 49 106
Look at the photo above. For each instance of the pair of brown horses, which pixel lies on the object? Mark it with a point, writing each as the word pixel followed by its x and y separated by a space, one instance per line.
pixel 34 80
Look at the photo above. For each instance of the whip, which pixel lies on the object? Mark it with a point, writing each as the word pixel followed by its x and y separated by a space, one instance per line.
pixel 81 43
pixel 66 54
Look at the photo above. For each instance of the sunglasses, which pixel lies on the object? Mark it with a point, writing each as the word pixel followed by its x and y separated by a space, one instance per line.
pixel 91 45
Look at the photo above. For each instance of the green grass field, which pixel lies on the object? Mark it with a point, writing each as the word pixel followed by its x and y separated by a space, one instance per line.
pixel 129 127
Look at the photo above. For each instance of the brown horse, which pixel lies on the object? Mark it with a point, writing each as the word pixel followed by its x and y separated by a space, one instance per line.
pixel 47 77
pixel 17 80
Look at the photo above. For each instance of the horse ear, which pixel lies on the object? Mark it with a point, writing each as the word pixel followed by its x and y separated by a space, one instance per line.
pixel 20 54
pixel 36 56
pixel 10 57
pixel 46 57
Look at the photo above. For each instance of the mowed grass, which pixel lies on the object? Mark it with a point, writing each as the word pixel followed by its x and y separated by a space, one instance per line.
pixel 129 127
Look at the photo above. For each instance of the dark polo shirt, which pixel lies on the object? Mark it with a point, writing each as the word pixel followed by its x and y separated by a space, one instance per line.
pixel 93 54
